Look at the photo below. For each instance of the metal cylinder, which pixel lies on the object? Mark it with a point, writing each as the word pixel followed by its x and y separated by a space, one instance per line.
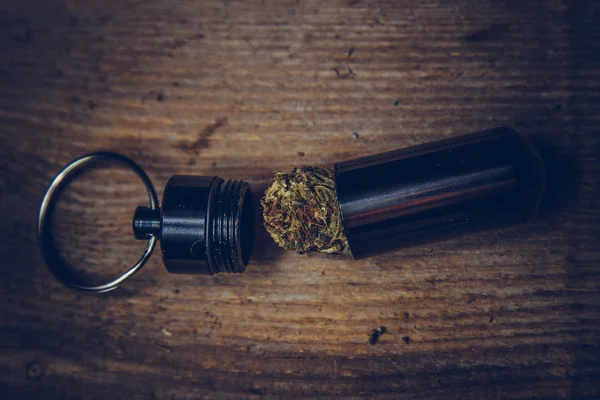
pixel 436 190
pixel 206 225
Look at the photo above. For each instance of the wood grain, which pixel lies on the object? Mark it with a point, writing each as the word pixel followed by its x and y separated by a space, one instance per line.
pixel 244 89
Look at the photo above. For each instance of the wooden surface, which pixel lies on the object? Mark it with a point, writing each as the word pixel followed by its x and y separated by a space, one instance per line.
pixel 242 90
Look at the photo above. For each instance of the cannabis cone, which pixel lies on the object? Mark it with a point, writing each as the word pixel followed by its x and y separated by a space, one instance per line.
pixel 301 212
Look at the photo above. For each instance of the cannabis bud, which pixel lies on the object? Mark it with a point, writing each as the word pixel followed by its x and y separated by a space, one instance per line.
pixel 301 212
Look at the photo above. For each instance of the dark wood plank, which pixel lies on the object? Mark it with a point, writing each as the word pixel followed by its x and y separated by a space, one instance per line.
pixel 244 89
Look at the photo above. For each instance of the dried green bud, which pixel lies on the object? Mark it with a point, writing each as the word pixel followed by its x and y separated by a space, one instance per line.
pixel 301 212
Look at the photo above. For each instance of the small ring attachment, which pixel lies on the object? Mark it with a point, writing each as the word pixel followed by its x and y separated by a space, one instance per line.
pixel 44 232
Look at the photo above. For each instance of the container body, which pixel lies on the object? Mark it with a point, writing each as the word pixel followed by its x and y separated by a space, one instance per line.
pixel 437 190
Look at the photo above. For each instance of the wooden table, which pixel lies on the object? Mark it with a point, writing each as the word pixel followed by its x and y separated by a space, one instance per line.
pixel 245 89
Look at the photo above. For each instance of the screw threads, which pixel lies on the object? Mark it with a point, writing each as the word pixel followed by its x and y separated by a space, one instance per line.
pixel 226 228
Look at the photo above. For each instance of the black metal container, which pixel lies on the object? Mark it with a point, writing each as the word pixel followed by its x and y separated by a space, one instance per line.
pixel 436 190
pixel 387 201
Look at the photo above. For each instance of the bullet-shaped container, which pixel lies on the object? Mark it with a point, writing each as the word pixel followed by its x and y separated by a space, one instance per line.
pixel 387 201
pixel 438 190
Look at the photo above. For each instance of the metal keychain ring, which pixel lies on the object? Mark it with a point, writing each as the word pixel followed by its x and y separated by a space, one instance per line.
pixel 46 242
